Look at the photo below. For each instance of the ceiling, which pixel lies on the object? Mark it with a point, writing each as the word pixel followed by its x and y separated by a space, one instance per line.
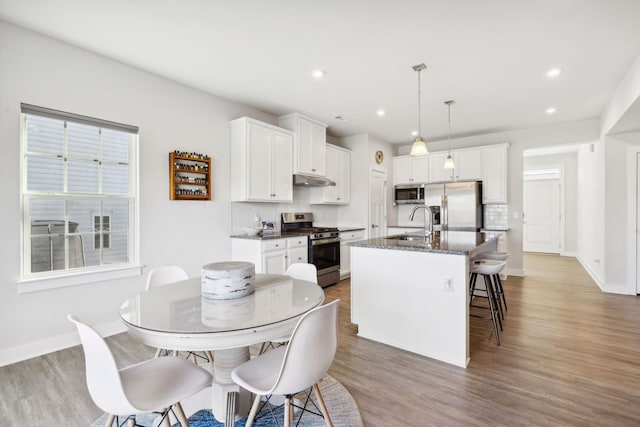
pixel 490 56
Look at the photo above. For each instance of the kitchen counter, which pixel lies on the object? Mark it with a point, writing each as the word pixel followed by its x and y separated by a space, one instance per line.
pixel 444 242
pixel 269 236
pixel 414 294
pixel 345 229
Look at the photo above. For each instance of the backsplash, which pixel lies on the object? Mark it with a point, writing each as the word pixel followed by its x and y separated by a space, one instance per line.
pixel 496 216
pixel 244 214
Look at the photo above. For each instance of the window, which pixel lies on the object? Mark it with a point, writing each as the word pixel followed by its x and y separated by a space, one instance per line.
pixel 79 194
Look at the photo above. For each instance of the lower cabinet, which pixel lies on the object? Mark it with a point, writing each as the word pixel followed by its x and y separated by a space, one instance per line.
pixel 345 250
pixel 273 256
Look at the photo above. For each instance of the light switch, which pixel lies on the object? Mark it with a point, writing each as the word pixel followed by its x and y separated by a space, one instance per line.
pixel 448 284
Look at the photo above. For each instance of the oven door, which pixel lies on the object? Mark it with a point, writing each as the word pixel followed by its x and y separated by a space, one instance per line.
pixel 325 255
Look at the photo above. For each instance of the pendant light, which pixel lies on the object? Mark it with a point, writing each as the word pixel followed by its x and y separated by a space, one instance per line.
pixel 448 163
pixel 419 147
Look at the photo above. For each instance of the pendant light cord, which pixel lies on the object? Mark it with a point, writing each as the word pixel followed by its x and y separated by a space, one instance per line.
pixel 419 113
pixel 449 105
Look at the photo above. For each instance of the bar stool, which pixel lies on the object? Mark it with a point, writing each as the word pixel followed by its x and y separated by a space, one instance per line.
pixel 488 269
pixel 500 256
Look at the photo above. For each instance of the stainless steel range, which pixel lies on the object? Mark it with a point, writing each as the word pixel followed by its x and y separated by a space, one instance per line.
pixel 324 245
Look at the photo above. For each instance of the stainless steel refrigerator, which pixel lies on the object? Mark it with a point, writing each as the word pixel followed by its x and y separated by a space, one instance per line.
pixel 455 205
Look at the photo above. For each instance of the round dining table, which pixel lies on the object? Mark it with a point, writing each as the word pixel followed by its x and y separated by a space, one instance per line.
pixel 178 317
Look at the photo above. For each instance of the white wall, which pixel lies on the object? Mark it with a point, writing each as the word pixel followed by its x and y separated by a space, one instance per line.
pixel 40 71
pixel 363 148
pixel 582 131
pixel 591 212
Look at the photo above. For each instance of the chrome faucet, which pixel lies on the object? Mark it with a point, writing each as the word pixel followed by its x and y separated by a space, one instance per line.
pixel 428 209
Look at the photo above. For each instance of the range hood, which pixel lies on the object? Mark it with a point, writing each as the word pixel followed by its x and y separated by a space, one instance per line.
pixel 312 181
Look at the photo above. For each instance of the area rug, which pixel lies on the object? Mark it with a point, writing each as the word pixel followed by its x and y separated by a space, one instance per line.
pixel 342 408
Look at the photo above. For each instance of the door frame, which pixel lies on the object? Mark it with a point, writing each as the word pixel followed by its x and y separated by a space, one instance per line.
pixel 373 170
pixel 541 167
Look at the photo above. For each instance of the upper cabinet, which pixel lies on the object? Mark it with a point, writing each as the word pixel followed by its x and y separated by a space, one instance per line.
pixel 261 162
pixel 494 174
pixel 410 169
pixel 487 164
pixel 468 166
pixel 310 140
pixel 338 162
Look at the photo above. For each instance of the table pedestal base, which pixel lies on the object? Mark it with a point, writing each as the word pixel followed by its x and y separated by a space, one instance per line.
pixel 229 402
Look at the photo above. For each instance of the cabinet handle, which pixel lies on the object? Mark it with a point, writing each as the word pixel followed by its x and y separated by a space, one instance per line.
pixel 277 246
pixel 313 170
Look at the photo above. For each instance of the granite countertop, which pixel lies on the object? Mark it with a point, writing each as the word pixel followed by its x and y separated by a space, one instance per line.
pixel 495 229
pixel 445 242
pixel 270 236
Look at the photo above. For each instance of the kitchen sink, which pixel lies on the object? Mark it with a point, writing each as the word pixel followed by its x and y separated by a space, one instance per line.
pixel 410 237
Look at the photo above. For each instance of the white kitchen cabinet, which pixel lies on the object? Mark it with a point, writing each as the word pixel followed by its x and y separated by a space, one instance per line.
pixel 494 174
pixel 468 166
pixel 261 162
pixel 338 170
pixel 310 143
pixel 437 172
pixel 345 250
pixel 272 256
pixel 410 169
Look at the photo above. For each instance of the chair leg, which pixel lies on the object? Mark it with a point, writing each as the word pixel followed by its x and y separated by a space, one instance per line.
pixel 262 348
pixel 158 350
pixel 131 422
pixel 166 422
pixel 254 411
pixel 210 356
pixel 287 411
pixel 323 407
pixel 184 422
pixel 492 309
pixel 110 420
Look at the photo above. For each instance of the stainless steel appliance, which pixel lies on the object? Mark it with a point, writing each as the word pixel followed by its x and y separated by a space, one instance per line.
pixel 455 205
pixel 324 245
pixel 408 194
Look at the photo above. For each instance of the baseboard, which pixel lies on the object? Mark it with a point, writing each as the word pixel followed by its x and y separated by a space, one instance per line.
pixel 592 273
pixel 516 272
pixel 569 253
pixel 55 343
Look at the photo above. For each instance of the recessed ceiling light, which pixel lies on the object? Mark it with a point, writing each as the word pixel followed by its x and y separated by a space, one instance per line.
pixel 318 74
pixel 381 112
pixel 550 110
pixel 554 72
pixel 341 118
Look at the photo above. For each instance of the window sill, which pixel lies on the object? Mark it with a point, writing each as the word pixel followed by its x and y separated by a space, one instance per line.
pixel 77 278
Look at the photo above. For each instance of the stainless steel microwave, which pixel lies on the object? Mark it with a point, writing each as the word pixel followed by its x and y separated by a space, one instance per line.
pixel 408 194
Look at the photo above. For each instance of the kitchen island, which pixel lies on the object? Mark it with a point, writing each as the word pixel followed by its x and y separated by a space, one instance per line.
pixel 412 293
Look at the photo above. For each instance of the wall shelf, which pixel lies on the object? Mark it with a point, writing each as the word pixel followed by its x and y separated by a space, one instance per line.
pixel 189 176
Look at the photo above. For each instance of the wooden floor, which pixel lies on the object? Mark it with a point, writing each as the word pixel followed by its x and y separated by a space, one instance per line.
pixel 570 355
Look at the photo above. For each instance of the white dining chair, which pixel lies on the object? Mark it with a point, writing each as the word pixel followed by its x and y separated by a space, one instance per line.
pixel 293 368
pixel 166 275
pixel 156 385
pixel 160 276
pixel 300 271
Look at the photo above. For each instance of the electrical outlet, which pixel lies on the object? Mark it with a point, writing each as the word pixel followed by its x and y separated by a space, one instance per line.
pixel 448 284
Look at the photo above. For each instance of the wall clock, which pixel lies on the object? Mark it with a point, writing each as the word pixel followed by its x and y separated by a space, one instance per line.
pixel 379 157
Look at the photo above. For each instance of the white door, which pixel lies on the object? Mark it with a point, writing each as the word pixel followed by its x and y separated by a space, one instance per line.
pixel 637 226
pixel 541 215
pixel 377 204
